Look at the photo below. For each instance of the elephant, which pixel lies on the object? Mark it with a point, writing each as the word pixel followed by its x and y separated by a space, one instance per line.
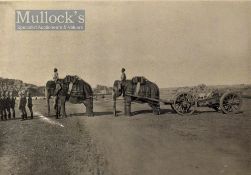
pixel 81 93
pixel 148 93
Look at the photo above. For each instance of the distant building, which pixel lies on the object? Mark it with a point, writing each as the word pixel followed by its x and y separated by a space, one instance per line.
pixel 100 89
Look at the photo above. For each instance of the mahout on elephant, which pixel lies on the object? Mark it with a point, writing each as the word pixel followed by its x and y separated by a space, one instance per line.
pixel 80 93
pixel 138 89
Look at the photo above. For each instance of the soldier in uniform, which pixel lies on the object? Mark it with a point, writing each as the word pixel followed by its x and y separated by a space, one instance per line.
pixel 12 104
pixel 55 78
pixel 1 106
pixel 22 104
pixel 30 104
pixel 4 106
pixel 123 80
pixel 7 104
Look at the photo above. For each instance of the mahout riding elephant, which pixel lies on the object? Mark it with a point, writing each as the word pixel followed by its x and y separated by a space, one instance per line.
pixel 81 92
pixel 139 90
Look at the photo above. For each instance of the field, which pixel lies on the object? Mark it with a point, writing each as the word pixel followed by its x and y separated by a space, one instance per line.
pixel 206 143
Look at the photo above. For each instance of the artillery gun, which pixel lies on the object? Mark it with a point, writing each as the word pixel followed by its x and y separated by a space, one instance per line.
pixel 185 103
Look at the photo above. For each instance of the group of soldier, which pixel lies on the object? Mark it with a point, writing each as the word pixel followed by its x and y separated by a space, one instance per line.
pixel 8 102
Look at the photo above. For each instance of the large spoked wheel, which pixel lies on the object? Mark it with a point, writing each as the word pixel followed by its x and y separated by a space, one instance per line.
pixel 184 103
pixel 230 102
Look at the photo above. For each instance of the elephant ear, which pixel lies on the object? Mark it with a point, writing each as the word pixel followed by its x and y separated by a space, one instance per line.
pixel 117 85
pixel 129 87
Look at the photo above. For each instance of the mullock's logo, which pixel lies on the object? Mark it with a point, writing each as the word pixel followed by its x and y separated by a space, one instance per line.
pixel 50 20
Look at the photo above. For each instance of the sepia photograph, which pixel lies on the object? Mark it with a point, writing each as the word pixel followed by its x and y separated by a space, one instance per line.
pixel 125 87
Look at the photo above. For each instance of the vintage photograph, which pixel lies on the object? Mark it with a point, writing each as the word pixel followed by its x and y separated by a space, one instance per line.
pixel 125 88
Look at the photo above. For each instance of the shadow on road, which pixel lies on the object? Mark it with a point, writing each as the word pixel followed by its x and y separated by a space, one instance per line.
pixel 162 111
pixel 95 114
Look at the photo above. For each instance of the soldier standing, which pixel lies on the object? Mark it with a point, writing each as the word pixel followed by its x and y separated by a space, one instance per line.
pixel 123 80
pixel 30 104
pixel 55 78
pixel 4 106
pixel 12 104
pixel 7 104
pixel 1 106
pixel 22 104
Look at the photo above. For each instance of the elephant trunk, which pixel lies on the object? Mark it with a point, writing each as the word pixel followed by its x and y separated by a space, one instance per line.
pixel 47 95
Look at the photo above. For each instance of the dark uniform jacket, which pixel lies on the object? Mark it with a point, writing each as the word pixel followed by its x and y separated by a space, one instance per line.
pixel 29 102
pixel 7 102
pixel 22 102
pixel 1 104
pixel 4 101
pixel 12 102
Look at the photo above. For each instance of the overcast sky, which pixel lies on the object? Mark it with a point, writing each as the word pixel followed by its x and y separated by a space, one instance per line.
pixel 171 43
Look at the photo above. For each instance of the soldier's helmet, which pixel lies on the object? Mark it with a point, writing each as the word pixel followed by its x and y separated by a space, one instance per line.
pixel 55 69
pixel 123 69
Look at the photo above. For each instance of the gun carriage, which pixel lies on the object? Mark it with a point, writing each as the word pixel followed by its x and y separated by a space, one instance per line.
pixel 184 103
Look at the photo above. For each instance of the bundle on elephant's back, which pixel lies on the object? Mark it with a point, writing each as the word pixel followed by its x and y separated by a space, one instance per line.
pixel 147 88
pixel 150 90
pixel 80 87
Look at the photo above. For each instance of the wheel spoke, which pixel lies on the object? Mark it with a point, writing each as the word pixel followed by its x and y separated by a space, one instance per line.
pixel 178 108
pixel 229 108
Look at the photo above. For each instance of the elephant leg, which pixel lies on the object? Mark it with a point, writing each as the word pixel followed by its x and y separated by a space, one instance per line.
pixel 47 95
pixel 57 106
pixel 58 109
pixel 127 106
pixel 62 105
pixel 114 108
pixel 89 107
pixel 55 102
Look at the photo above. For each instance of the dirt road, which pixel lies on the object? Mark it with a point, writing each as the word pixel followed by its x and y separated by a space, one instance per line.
pixel 206 143
pixel 48 146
